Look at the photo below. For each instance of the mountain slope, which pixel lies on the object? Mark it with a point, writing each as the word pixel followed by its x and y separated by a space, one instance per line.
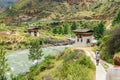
pixel 51 8
pixel 63 9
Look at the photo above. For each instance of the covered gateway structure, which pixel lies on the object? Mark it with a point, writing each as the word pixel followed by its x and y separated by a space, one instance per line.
pixel 84 37
pixel 33 31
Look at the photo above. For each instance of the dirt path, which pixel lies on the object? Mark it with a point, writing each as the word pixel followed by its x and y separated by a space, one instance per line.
pixel 109 26
pixel 100 71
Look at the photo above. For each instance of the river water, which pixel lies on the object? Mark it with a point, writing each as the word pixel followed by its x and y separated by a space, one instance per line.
pixel 19 63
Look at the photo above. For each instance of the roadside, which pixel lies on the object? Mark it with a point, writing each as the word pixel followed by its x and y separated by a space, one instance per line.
pixel 101 68
pixel 100 71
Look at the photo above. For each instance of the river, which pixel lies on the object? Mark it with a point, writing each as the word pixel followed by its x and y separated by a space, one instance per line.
pixel 19 63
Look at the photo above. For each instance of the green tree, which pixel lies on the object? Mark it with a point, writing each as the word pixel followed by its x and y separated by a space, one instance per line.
pixel 3 65
pixel 35 50
pixel 99 30
pixel 74 26
pixel 60 30
pixel 110 44
pixel 116 18
pixel 55 31
pixel 66 28
pixel 113 42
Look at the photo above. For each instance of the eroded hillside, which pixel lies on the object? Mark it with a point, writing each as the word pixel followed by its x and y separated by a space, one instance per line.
pixel 27 10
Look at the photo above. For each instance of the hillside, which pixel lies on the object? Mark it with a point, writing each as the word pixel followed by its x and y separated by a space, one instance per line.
pixel 1 10
pixel 62 9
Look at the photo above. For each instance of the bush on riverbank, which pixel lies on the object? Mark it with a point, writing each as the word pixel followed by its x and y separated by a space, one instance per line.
pixel 80 68
pixel 86 61
pixel 74 71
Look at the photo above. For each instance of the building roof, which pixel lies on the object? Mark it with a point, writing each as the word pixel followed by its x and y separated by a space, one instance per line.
pixel 32 28
pixel 82 30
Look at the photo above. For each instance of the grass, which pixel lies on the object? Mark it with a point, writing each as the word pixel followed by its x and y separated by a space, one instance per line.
pixel 47 71
pixel 85 13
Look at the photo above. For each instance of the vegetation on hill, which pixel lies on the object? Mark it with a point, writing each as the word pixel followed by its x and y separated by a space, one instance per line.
pixel 110 41
pixel 107 8
pixel 116 20
pixel 99 30
pixel 56 9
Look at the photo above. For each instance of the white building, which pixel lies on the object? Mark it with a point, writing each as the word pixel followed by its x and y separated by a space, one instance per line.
pixel 84 37
pixel 33 31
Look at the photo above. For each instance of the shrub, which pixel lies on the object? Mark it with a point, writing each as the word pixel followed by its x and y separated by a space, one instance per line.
pixel 47 62
pixel 50 57
pixel 86 61
pixel 18 77
pixel 43 67
pixel 2 42
pixel 73 71
pixel 97 6
pixel 81 69
pixel 105 55
pixel 116 19
pixel 65 53
pixel 8 47
pixel 69 57
pixel 26 44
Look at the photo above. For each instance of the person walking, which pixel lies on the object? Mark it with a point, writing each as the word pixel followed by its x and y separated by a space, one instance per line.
pixel 97 57
pixel 113 73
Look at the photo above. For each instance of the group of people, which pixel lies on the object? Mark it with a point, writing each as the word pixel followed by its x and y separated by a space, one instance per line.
pixel 113 73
